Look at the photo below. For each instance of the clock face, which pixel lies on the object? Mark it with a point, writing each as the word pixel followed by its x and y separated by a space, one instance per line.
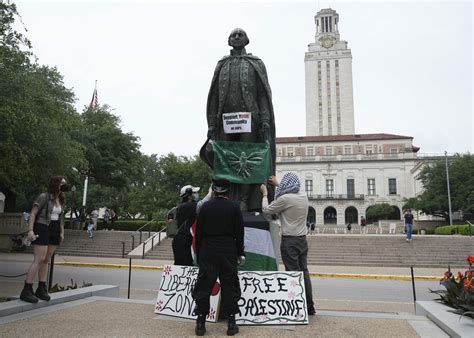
pixel 327 41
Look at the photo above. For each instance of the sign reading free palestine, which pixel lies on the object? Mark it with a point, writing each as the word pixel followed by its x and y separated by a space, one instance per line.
pixel 268 297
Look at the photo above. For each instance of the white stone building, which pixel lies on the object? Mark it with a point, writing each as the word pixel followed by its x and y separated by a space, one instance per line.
pixel 343 173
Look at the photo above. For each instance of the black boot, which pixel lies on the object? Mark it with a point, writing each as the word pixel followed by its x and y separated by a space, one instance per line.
pixel 42 292
pixel 200 325
pixel 27 294
pixel 232 327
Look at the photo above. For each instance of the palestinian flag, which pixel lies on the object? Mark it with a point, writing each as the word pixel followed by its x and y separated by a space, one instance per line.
pixel 259 252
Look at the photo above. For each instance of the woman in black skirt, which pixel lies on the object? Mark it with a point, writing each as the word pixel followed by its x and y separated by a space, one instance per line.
pixel 45 231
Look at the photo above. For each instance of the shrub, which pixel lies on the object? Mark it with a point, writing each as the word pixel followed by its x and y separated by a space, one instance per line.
pixel 454 230
pixel 130 225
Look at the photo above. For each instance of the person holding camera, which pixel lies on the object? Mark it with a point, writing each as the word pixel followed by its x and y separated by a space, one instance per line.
pixel 46 232
pixel 185 216
pixel 220 248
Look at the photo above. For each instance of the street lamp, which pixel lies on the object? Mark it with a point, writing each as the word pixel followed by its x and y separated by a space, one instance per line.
pixel 449 191
pixel 73 205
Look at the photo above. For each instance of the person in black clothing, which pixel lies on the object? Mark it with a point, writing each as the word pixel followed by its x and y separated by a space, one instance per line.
pixel 220 247
pixel 408 224
pixel 185 217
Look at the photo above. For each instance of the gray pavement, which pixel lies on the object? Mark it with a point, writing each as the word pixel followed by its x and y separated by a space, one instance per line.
pixel 100 316
pixel 351 301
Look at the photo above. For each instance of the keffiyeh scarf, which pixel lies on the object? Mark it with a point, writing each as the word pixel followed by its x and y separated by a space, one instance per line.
pixel 289 184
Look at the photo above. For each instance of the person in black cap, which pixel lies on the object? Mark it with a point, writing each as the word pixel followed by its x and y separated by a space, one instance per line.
pixel 219 247
pixel 185 217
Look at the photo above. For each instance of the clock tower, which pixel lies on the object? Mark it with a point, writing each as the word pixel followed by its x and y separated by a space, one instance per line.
pixel 328 80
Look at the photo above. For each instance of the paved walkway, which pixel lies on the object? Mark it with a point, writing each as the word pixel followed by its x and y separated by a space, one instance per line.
pixel 119 317
pixel 113 317
pixel 315 270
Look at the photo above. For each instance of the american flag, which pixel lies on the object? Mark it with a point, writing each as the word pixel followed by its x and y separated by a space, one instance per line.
pixel 95 99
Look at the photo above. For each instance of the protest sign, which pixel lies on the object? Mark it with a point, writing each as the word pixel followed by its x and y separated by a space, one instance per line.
pixel 272 298
pixel 175 293
pixel 237 123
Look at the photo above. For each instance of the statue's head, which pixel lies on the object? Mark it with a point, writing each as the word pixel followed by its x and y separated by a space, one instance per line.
pixel 238 38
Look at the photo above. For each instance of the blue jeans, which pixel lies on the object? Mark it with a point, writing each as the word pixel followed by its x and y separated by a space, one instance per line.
pixel 409 228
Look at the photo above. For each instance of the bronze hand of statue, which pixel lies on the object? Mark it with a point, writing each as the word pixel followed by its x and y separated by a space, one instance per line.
pixel 211 133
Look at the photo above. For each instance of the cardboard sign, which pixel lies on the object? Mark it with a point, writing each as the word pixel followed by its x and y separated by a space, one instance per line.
pixel 268 297
pixel 272 298
pixel 175 293
pixel 237 122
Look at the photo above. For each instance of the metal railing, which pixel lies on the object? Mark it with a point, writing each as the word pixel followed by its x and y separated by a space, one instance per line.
pixel 139 230
pixel 152 240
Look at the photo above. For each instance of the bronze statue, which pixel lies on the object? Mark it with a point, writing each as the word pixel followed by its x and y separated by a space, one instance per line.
pixel 240 84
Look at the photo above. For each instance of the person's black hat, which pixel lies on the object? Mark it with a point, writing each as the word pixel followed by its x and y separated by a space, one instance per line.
pixel 220 186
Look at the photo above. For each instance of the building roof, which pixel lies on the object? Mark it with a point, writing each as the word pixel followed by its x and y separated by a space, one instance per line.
pixel 341 138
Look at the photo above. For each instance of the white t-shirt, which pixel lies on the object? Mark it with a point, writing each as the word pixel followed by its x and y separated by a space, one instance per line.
pixel 55 213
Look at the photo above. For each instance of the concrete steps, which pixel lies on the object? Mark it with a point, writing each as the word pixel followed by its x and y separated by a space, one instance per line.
pixel 336 250
pixel 374 250
pixel 103 244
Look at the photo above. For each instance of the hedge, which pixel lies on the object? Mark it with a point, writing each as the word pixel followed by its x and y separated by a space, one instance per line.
pixel 454 230
pixel 130 225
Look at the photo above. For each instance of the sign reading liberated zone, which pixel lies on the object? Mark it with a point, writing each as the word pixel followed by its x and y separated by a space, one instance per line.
pixel 268 297
pixel 175 293
pixel 237 123
pixel 272 298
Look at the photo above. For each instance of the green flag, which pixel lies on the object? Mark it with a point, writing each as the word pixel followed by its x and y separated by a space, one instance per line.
pixel 241 162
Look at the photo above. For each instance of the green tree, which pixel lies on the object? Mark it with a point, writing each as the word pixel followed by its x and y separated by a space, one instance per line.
pixel 379 211
pixel 434 198
pixel 178 171
pixel 113 157
pixel 36 117
pixel 411 203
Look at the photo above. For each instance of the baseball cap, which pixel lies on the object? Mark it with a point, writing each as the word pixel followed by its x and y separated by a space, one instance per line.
pixel 188 190
pixel 220 186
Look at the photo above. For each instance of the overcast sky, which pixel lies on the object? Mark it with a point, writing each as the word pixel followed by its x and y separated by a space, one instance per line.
pixel 412 63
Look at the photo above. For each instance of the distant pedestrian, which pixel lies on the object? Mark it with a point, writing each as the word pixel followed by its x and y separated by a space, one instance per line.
pixel 90 229
pixel 105 219
pixel 308 226
pixel 313 227
pixel 408 224
pixel 94 216
pixel 349 227
pixel 363 224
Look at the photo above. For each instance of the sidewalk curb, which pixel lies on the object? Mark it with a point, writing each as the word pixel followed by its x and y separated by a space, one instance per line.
pixel 320 275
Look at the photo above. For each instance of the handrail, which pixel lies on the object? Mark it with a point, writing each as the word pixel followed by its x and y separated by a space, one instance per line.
pixel 152 238
pixel 140 229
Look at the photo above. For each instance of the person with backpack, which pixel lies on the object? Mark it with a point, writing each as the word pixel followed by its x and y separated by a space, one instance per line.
pixel 185 217
pixel 46 232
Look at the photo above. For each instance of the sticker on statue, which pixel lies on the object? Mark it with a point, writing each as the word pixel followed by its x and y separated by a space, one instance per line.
pixel 235 123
